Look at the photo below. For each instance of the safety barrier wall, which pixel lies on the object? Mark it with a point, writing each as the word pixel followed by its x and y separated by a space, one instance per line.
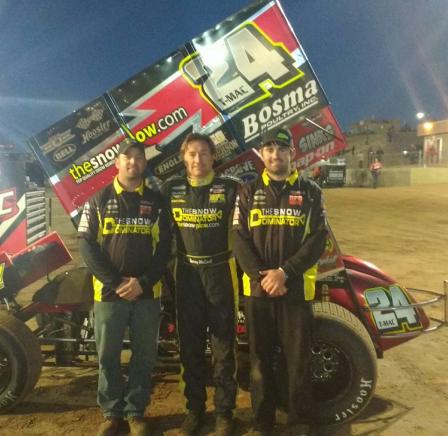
pixel 399 176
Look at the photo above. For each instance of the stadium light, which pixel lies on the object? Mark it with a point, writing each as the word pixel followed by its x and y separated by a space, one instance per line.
pixel 420 115
pixel 428 125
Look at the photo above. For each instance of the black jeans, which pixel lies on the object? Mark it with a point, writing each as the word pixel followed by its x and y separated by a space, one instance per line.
pixel 272 323
pixel 206 297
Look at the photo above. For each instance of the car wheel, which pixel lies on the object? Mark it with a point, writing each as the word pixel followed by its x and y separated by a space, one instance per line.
pixel 343 364
pixel 20 361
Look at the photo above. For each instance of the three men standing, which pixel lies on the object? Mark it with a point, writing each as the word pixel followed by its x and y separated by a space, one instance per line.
pixel 125 242
pixel 279 235
pixel 201 206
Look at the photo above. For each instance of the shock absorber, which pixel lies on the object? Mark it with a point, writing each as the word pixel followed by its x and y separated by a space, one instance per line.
pixel 325 293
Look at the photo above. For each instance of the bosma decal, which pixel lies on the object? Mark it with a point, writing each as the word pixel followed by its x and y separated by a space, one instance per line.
pixel 282 109
pixel 388 320
pixel 8 204
pixel 238 71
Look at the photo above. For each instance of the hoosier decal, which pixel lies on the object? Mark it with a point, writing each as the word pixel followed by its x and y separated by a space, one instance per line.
pixel 365 391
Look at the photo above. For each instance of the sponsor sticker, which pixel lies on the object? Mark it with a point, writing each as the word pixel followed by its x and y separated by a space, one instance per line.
pixel 217 198
pixel 295 198
pixel 64 152
pixel 145 209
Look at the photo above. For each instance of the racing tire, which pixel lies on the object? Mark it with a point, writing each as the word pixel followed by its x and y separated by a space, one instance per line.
pixel 343 365
pixel 20 361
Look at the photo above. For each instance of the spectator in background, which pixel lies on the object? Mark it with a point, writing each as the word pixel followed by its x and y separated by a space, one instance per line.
pixel 319 174
pixel 431 155
pixel 375 169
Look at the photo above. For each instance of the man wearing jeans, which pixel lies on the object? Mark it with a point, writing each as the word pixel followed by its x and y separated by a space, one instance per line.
pixel 125 244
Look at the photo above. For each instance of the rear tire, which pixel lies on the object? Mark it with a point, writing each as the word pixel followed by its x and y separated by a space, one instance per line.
pixel 343 366
pixel 20 361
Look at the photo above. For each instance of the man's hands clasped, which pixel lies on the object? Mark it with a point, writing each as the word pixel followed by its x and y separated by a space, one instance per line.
pixel 129 289
pixel 273 282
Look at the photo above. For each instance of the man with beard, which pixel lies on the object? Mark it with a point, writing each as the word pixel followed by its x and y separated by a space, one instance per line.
pixel 279 235
pixel 125 243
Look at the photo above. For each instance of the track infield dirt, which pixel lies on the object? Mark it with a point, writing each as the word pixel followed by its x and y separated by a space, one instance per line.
pixel 404 231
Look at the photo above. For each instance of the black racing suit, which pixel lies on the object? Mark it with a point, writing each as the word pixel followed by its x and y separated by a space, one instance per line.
pixel 279 225
pixel 206 285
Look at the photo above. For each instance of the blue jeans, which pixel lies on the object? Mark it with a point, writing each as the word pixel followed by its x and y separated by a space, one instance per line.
pixel 115 397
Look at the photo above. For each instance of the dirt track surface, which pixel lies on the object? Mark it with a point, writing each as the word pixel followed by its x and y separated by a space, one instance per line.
pixel 401 230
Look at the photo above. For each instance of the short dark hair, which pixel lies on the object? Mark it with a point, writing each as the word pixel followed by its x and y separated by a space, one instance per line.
pixel 197 137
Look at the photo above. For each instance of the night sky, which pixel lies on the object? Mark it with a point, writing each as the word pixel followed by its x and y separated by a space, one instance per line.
pixel 374 58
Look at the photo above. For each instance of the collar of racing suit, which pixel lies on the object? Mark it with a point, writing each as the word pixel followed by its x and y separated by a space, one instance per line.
pixel 119 189
pixel 201 182
pixel 290 179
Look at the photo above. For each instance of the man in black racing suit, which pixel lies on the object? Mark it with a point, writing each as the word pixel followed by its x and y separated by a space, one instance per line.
pixel 279 235
pixel 201 206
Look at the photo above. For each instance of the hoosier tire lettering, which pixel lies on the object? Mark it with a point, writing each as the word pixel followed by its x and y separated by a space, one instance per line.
pixel 358 404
